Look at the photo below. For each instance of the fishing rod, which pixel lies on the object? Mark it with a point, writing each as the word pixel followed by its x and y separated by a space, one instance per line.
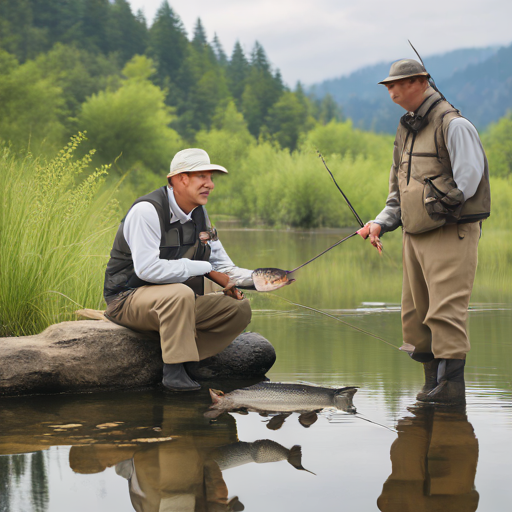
pixel 361 223
pixel 339 320
pixel 323 252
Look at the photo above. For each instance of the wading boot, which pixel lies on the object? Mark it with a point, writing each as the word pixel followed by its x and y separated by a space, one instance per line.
pixel 430 370
pixel 176 378
pixel 451 388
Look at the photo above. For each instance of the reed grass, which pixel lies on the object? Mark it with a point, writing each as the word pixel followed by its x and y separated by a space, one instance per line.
pixel 55 235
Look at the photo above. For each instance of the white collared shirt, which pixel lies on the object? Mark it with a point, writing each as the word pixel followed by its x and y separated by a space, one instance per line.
pixel 143 235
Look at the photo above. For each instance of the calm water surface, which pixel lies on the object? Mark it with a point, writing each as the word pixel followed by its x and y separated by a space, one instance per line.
pixel 151 451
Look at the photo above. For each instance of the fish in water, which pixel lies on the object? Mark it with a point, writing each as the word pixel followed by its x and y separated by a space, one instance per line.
pixel 282 397
pixel 261 452
pixel 270 279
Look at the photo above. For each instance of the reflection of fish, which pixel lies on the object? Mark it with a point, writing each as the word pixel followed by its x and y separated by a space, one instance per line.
pixel 270 279
pixel 261 451
pixel 282 397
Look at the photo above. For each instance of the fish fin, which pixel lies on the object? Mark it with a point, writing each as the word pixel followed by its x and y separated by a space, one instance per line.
pixel 276 422
pixel 348 391
pixel 306 419
pixel 216 395
pixel 212 414
pixel 295 459
pixel 235 505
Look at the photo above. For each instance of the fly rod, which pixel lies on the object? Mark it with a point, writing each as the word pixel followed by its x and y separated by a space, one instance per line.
pixel 360 222
pixel 323 252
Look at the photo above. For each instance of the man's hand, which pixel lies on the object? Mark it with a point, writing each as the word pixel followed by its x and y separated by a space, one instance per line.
pixel 229 286
pixel 373 230
pixel 234 292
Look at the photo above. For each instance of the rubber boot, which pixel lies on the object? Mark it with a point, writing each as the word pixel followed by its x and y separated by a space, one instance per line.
pixel 430 370
pixel 176 378
pixel 451 388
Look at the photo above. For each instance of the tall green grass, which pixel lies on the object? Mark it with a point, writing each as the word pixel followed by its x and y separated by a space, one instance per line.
pixel 55 234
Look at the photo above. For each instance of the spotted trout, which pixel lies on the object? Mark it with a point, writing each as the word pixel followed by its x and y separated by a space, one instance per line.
pixel 276 397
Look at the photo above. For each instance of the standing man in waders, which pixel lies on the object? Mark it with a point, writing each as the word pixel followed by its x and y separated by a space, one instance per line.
pixel 154 278
pixel 439 193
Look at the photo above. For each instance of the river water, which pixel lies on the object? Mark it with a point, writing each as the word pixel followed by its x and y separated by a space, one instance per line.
pixel 152 451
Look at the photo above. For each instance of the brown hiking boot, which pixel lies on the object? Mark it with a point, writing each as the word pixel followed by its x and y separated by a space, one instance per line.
pixel 451 388
pixel 430 370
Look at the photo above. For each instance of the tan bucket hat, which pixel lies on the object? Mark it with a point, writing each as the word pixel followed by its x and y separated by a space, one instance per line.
pixel 405 68
pixel 192 160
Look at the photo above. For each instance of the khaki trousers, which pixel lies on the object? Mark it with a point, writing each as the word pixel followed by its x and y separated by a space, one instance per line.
pixel 439 271
pixel 191 328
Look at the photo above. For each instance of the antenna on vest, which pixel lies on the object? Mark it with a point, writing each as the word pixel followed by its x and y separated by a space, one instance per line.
pixel 430 79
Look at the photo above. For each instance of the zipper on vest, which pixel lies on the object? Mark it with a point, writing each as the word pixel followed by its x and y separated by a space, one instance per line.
pixel 410 159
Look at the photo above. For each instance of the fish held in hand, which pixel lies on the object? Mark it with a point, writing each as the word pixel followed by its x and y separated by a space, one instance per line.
pixel 275 397
pixel 270 279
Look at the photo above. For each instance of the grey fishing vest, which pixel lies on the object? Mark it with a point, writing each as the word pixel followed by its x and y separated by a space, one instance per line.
pixel 177 241
pixel 429 197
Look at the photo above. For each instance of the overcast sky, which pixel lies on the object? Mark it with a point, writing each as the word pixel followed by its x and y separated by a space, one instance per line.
pixel 311 40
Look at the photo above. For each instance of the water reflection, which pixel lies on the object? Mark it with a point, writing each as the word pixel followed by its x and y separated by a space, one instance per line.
pixel 434 462
pixel 170 454
pixel 24 474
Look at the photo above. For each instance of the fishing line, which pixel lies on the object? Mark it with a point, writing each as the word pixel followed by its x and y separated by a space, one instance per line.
pixel 341 191
pixel 361 417
pixel 338 319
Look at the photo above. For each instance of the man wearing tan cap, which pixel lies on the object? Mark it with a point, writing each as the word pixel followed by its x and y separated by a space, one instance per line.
pixel 154 278
pixel 439 193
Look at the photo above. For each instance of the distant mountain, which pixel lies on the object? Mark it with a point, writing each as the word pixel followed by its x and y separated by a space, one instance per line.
pixel 476 80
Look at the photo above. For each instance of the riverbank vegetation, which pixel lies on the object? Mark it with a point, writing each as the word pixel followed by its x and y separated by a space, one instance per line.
pixel 140 99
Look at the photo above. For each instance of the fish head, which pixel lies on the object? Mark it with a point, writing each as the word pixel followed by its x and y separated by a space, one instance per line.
pixel 270 279
pixel 343 400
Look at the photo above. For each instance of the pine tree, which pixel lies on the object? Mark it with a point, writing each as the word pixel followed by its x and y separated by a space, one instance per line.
pixel 95 18
pixel 262 90
pixel 167 43
pixel 199 40
pixel 237 73
pixel 17 32
pixel 219 51
pixel 126 33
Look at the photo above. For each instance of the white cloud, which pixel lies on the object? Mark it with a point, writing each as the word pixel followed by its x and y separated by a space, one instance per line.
pixel 313 40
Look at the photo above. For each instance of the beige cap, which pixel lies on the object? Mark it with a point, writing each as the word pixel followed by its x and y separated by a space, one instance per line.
pixel 405 68
pixel 192 160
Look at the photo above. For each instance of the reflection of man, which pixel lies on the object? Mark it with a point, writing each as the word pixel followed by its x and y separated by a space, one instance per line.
pixel 434 462
pixel 439 192
pixel 176 476
pixel 166 239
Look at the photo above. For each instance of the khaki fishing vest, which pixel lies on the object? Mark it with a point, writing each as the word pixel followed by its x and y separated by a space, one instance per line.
pixel 429 197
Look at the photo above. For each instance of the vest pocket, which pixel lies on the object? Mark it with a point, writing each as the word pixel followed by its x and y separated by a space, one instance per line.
pixel 442 198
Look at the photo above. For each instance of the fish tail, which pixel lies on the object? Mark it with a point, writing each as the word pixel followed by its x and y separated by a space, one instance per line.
pixel 295 458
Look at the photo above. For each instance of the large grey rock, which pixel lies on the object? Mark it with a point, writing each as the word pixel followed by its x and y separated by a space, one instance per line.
pixel 92 355
pixel 249 356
